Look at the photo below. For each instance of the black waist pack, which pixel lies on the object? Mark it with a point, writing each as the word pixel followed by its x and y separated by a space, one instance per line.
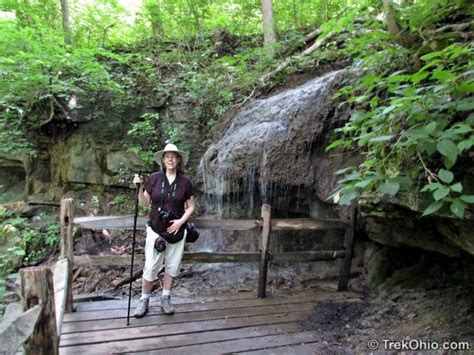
pixel 170 238
pixel 192 233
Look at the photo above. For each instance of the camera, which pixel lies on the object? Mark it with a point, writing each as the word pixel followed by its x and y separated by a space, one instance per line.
pixel 165 216
pixel 160 244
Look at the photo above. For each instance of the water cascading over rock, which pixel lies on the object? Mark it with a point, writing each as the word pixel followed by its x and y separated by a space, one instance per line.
pixel 272 152
pixel 269 147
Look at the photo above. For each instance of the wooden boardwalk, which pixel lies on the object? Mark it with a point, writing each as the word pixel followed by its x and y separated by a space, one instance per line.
pixel 228 323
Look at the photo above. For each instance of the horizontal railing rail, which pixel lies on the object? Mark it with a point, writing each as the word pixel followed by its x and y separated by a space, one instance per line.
pixel 126 222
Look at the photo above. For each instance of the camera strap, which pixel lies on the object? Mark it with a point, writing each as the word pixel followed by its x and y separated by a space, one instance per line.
pixel 173 191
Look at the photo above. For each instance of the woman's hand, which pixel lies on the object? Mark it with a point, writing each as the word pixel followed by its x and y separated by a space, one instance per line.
pixel 137 179
pixel 143 196
pixel 175 225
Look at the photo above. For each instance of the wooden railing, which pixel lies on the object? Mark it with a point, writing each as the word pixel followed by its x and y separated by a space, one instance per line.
pixel 47 291
pixel 46 294
pixel 266 225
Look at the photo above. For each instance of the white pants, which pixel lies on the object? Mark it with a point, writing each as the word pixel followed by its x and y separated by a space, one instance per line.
pixel 171 257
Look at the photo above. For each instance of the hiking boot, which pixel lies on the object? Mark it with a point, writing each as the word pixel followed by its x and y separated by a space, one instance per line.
pixel 142 308
pixel 166 305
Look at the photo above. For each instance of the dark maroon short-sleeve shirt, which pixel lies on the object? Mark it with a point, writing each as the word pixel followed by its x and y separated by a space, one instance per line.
pixel 183 190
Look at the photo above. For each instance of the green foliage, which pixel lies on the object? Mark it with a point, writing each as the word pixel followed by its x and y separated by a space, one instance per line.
pixel 52 235
pixel 409 125
pixel 39 76
pixel 95 201
pixel 119 200
pixel 144 141
pixel 33 243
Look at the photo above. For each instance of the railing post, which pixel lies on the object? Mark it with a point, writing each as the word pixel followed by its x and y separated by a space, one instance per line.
pixel 37 288
pixel 348 243
pixel 266 229
pixel 67 244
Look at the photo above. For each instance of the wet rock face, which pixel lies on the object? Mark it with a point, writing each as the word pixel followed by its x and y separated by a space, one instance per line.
pixel 273 152
pixel 274 138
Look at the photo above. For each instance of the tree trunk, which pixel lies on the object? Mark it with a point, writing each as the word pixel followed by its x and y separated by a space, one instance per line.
pixel 195 14
pixel 269 37
pixel 66 22
pixel 393 26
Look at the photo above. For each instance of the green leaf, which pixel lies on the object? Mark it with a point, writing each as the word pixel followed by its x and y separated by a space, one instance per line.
pixel 398 78
pixel 431 55
pixel 431 127
pixel 467 198
pixel 359 115
pixel 334 144
pixel 431 187
pixel 430 64
pixel 348 197
pixel 448 163
pixel 390 188
pixel 441 193
pixel 443 76
pixel 370 80
pixel 416 133
pixel 464 145
pixel 446 176
pixel 460 128
pixel 448 149
pixel 343 171
pixel 20 252
pixel 389 109
pixel 464 87
pixel 465 104
pixel 381 139
pixel 404 181
pixel 432 208
pixel 419 76
pixel 456 187
pixel 363 184
pixel 458 207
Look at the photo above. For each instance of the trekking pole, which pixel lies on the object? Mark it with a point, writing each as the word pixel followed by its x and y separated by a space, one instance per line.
pixel 133 249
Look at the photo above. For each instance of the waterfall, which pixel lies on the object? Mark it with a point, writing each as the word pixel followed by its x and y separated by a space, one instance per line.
pixel 266 149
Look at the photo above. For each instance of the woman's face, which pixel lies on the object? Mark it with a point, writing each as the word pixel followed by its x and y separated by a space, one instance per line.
pixel 171 160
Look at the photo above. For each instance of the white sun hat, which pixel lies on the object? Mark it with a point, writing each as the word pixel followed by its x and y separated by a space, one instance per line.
pixel 171 148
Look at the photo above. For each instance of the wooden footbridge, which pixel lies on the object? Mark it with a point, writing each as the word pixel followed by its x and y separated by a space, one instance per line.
pixel 226 323
pixel 252 322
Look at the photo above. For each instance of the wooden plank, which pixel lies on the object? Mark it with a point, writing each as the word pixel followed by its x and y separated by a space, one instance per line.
pixel 16 328
pixel 67 245
pixel 266 231
pixel 60 284
pixel 227 224
pixel 206 306
pixel 136 331
pixel 162 319
pixel 111 222
pixel 348 245
pixel 308 224
pixel 126 222
pixel 37 288
pixel 326 293
pixel 168 342
pixel 124 260
pixel 301 349
pixel 308 256
pixel 241 345
pixel 122 304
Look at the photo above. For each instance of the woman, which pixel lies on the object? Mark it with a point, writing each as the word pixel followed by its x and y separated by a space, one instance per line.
pixel 171 195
